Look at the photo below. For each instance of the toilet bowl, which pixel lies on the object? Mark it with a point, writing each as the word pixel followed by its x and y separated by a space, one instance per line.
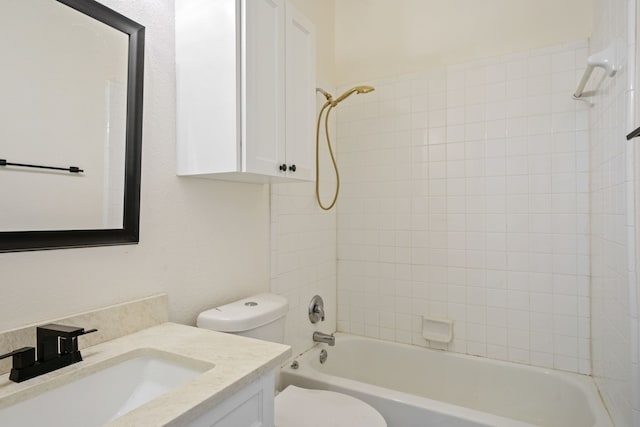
pixel 262 317
pixel 300 407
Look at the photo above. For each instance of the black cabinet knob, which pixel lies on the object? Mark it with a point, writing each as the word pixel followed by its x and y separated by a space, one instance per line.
pixel 283 167
pixel 292 168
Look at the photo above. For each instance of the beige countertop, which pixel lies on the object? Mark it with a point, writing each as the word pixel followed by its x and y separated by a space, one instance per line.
pixel 231 363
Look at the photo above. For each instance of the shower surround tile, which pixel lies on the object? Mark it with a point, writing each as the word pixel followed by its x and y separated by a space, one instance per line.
pixel 466 196
pixel 614 184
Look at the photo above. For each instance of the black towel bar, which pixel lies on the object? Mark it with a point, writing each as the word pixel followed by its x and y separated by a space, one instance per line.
pixel 633 134
pixel 72 169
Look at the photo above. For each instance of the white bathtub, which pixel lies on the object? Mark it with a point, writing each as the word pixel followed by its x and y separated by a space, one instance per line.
pixel 412 386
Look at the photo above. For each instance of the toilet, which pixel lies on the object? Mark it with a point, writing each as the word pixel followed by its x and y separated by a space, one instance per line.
pixel 301 407
pixel 263 317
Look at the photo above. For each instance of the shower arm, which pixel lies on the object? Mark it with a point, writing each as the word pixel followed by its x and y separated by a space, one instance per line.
pixel 325 93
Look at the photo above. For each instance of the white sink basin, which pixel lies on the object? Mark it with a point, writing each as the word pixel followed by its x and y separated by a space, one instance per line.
pixel 102 396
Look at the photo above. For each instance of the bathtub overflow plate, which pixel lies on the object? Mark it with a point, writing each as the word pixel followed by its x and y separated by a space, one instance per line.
pixel 323 355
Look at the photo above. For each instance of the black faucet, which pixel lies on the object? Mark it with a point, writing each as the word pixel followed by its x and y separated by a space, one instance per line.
pixel 57 347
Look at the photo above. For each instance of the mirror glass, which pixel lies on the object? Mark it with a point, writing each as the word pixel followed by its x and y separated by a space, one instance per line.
pixel 70 129
pixel 64 104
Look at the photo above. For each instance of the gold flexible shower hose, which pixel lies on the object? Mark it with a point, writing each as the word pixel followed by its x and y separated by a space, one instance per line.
pixel 329 105
pixel 333 158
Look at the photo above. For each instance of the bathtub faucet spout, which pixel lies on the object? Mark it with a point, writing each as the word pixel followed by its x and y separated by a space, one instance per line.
pixel 324 338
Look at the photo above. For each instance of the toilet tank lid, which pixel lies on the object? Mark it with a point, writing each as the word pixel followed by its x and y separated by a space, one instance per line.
pixel 245 314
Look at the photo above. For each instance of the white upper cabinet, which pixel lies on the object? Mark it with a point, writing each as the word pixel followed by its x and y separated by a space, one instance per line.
pixel 300 101
pixel 263 71
pixel 245 90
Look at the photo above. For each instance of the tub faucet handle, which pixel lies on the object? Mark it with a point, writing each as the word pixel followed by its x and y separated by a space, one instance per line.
pixel 316 309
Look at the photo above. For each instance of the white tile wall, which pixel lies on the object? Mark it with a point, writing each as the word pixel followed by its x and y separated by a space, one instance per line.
pixel 466 196
pixel 303 259
pixel 614 282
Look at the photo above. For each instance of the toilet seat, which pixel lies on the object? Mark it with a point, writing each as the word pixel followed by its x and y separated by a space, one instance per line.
pixel 300 407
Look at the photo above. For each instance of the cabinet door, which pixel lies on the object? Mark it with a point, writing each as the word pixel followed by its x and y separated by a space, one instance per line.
pixel 300 94
pixel 253 406
pixel 263 70
pixel 207 86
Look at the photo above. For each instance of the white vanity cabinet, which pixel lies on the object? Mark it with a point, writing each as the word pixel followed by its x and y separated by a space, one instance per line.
pixel 245 90
pixel 250 407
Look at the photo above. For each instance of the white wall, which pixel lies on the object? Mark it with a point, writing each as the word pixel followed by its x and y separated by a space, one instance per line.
pixel 203 242
pixel 613 230
pixel 381 38
pixel 465 196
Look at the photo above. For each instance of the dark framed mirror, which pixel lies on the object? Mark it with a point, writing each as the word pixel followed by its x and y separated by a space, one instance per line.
pixel 70 125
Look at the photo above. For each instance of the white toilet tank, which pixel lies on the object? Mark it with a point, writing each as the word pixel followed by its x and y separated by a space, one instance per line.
pixel 260 316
